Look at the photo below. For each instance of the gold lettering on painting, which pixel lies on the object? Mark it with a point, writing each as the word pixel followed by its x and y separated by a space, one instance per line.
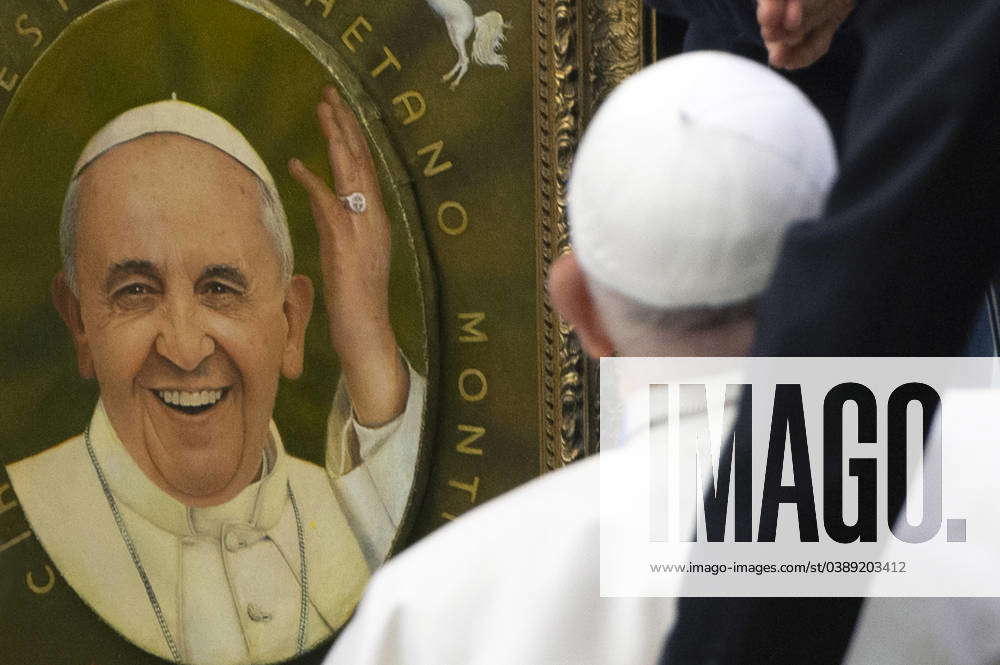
pixel 413 103
pixel 475 433
pixel 432 167
pixel 7 83
pixel 28 31
pixel 352 31
pixel 453 229
pixel 470 334
pixel 15 540
pixel 327 6
pixel 390 59
pixel 7 505
pixel 472 488
pixel 41 588
pixel 478 377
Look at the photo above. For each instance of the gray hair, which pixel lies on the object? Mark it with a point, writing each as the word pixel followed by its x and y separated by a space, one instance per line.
pixel 272 216
pixel 643 329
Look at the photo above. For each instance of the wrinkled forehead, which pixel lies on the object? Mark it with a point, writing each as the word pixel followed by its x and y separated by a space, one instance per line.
pixel 167 195
pixel 168 165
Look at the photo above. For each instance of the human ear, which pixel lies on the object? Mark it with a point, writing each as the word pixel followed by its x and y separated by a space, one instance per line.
pixel 298 309
pixel 68 305
pixel 574 302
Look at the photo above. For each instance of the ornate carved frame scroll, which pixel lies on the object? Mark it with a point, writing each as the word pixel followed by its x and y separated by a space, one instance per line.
pixel 583 49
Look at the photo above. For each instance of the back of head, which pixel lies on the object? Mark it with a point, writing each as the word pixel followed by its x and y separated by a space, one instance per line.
pixel 688 176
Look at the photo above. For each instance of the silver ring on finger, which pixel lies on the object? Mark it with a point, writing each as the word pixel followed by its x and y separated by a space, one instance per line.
pixel 355 202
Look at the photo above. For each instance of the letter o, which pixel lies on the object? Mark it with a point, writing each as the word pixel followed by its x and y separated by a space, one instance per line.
pixel 44 588
pixel 463 221
pixel 469 396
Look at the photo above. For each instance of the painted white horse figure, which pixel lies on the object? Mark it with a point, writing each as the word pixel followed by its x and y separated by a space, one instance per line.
pixel 489 27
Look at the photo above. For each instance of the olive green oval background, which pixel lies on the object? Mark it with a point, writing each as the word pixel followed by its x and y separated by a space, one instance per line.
pixel 248 69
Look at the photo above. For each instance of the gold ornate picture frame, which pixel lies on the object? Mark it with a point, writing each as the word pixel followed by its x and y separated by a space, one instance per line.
pixel 474 169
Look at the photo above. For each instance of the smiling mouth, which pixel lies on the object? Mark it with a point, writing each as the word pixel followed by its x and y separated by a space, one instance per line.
pixel 191 402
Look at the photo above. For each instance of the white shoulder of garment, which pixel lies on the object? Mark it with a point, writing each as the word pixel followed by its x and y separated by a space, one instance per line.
pixel 514 581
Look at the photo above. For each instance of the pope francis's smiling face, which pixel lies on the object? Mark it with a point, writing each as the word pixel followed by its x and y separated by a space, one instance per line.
pixel 183 313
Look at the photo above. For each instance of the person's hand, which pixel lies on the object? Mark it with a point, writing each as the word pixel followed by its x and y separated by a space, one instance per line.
pixel 797 33
pixel 354 254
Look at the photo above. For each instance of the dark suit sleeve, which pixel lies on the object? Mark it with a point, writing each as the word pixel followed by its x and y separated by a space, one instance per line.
pixel 897 265
pixel 731 26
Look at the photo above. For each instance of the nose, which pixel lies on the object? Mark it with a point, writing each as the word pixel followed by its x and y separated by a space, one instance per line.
pixel 182 338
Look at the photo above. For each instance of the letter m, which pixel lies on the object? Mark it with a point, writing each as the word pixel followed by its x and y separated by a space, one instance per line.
pixel 697 459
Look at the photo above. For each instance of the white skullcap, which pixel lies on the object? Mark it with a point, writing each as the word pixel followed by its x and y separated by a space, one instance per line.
pixel 175 117
pixel 689 174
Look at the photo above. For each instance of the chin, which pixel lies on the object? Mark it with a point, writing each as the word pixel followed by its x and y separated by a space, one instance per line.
pixel 208 473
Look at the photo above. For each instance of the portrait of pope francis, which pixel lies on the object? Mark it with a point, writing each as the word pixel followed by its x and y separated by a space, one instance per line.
pixel 176 514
